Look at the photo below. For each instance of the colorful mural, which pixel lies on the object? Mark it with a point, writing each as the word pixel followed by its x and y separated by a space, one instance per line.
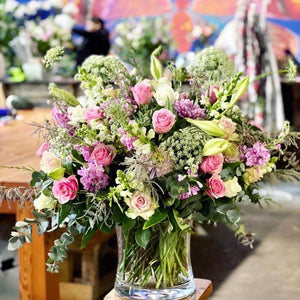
pixel 283 17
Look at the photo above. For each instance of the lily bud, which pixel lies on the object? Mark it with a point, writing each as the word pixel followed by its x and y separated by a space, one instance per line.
pixel 156 68
pixel 209 127
pixel 239 90
pixel 57 174
pixel 214 146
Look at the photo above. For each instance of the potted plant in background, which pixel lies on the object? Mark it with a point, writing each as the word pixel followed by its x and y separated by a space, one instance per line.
pixel 152 160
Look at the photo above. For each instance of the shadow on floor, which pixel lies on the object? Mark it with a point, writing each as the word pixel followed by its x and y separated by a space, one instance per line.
pixel 217 254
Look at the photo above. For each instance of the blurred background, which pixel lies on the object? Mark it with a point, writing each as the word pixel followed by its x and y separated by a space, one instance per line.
pixel 259 35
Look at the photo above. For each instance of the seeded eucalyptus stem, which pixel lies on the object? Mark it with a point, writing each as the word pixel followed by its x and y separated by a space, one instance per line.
pixel 163 263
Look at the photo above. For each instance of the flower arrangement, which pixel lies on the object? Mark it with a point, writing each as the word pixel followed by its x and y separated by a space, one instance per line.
pixel 136 39
pixel 49 33
pixel 152 156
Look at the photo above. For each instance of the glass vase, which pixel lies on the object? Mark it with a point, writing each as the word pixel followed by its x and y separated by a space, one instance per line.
pixel 160 271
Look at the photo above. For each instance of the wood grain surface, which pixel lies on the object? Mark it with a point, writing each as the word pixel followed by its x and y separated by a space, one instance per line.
pixel 18 145
pixel 204 288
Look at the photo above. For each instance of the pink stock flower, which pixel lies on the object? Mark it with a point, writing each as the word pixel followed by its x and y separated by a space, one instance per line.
pixel 65 189
pixel 103 154
pixel 212 164
pixel 212 95
pixel 94 113
pixel 44 147
pixel 216 187
pixel 142 93
pixel 163 120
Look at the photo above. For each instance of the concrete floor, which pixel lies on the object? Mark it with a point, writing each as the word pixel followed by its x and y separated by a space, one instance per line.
pixel 270 271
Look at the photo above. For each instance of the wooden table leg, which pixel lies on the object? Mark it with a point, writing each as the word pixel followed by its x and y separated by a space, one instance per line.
pixel 35 282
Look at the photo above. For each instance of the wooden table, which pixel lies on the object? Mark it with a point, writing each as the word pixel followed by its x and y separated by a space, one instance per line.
pixel 203 289
pixel 17 148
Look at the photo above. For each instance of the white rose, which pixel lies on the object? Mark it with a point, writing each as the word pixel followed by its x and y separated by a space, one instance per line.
pixel 163 94
pixel 43 202
pixel 232 187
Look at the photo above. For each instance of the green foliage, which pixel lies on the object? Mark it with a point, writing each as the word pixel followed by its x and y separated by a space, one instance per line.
pixel 58 252
pixel 52 56
pixel 142 237
pixel 62 96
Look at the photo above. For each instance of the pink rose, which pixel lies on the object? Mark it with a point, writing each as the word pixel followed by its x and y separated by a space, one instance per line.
pixel 212 164
pixel 212 95
pixel 103 154
pixel 65 189
pixel 163 120
pixel 142 93
pixel 44 147
pixel 216 186
pixel 94 113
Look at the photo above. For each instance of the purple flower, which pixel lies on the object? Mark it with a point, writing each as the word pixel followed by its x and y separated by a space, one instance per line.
pixel 257 155
pixel 126 140
pixel 60 116
pixel 192 192
pixel 85 151
pixel 187 109
pixel 93 178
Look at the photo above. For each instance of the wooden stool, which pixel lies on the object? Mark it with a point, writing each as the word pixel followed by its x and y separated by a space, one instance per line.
pixel 88 286
pixel 203 289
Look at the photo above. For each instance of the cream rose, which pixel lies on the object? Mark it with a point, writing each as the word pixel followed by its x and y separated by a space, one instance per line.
pixel 49 162
pixel 140 204
pixel 43 202
pixel 232 187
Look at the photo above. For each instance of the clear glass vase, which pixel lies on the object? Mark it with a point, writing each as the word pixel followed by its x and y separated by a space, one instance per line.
pixel 161 271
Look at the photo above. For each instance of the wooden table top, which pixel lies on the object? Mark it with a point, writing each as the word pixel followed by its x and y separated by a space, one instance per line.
pixel 18 146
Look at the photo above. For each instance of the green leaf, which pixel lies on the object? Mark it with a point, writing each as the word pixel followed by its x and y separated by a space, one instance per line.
pixel 36 176
pixel 196 216
pixel 66 238
pixel 224 208
pixel 128 223
pixel 180 222
pixel 77 156
pixel 233 216
pixel 15 242
pixel 87 236
pixel 42 227
pixel 67 164
pixel 64 211
pixel 117 215
pixel 142 237
pixel 159 215
pixel 45 184
pixel 169 201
